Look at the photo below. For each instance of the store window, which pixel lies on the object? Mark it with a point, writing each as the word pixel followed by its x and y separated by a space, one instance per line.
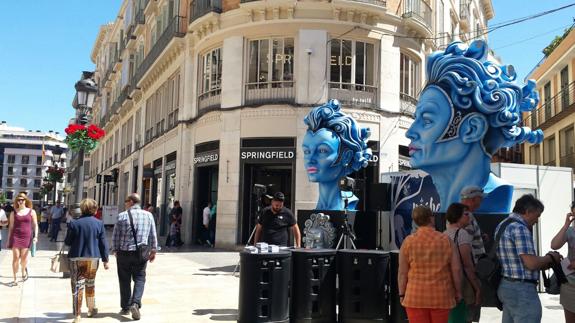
pixel 352 72
pixel 211 85
pixel 410 77
pixel 271 62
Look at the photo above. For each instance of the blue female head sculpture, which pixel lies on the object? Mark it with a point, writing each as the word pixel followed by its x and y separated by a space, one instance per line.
pixel 333 146
pixel 469 108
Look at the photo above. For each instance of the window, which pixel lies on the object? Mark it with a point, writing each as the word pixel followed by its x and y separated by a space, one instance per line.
pixel 549 151
pixel 23 182
pixel 409 76
pixel 38 160
pixel 547 99
pixel 352 62
pixel 9 182
pixel 567 147
pixel 38 171
pixel 271 62
pixel 211 78
pixel 37 183
pixel 440 17
pixel 36 196
pixel 25 160
pixel 24 170
pixel 564 88
pixel 9 195
pixel 534 157
pixel 10 170
pixel 11 159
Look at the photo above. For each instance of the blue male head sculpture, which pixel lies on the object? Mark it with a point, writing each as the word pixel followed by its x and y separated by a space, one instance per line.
pixel 334 146
pixel 469 108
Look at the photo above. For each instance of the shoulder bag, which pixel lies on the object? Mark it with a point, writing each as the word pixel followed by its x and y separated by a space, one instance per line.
pixel 488 269
pixel 467 291
pixel 60 262
pixel 558 278
pixel 142 251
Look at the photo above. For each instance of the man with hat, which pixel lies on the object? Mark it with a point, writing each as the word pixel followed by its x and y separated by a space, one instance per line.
pixel 472 196
pixel 274 222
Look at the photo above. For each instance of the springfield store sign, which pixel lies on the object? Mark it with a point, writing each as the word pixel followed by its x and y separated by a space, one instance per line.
pixel 206 158
pixel 267 154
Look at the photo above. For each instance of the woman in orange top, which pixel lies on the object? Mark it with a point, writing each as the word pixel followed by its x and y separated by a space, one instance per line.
pixel 429 274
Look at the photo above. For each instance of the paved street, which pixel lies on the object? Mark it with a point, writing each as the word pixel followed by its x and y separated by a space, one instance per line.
pixel 191 285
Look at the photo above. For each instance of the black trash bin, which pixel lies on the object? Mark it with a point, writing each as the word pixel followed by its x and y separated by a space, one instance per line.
pixel 397 312
pixel 264 287
pixel 313 286
pixel 363 286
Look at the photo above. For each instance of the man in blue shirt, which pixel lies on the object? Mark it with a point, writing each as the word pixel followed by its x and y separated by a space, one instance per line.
pixel 520 265
pixel 128 262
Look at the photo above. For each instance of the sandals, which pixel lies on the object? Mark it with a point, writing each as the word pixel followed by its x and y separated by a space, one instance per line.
pixel 25 277
pixel 93 312
pixel 13 284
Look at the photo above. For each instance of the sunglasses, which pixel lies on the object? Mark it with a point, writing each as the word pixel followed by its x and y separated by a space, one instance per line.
pixel 20 200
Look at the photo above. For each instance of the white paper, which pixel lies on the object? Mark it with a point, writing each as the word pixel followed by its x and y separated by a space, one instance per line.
pixel 564 264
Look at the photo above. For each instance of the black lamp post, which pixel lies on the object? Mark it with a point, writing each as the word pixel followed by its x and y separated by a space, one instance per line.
pixel 86 90
pixel 56 154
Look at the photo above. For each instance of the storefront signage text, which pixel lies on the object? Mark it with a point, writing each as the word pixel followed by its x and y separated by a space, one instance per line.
pixel 268 154
pixel 340 61
pixel 208 158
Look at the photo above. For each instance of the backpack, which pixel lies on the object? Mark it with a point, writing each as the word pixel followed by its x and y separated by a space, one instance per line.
pixel 488 270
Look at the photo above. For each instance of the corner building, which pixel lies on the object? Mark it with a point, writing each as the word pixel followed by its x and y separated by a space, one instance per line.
pixel 203 99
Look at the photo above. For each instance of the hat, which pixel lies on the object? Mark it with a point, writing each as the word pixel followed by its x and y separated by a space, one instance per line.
pixel 279 196
pixel 470 192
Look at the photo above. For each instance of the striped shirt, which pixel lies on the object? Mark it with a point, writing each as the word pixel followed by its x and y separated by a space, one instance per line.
pixel 515 241
pixel 429 283
pixel 122 237
pixel 477 246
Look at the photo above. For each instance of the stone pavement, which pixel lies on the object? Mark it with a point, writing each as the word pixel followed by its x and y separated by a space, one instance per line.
pixel 194 285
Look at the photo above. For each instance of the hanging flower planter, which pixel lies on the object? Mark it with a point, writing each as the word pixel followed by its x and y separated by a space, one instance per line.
pixel 82 137
pixel 46 188
pixel 54 174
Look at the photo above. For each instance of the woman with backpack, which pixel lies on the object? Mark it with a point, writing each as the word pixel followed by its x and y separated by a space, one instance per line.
pixel 567 235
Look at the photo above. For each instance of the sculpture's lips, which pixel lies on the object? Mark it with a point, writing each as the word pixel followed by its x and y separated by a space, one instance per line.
pixel 312 170
pixel 412 149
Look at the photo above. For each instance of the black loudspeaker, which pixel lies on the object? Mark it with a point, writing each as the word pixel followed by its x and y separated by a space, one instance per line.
pixel 363 286
pixel 378 197
pixel 264 287
pixel 313 286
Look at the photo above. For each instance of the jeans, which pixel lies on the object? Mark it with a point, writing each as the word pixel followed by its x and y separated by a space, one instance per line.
pixel 521 302
pixel 130 268
pixel 55 228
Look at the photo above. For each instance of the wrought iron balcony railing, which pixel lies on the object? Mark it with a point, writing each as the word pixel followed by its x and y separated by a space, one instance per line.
pixel 554 110
pixel 209 100
pixel 199 8
pixel 270 92
pixel 418 10
pixel 407 104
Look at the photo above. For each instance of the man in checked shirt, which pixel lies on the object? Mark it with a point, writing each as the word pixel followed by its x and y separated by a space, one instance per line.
pixel 124 247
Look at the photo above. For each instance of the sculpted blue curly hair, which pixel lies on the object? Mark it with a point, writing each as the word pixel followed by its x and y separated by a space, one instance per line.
pixel 475 84
pixel 352 137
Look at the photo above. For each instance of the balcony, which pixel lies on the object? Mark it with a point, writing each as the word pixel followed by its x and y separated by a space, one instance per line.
pixel 443 39
pixel 270 93
pixel 379 3
pixel 199 8
pixel 175 28
pixel 354 95
pixel 418 16
pixel 554 110
pixel 550 163
pixel 407 105
pixel 567 160
pixel 464 15
pixel 209 100
pixel 120 100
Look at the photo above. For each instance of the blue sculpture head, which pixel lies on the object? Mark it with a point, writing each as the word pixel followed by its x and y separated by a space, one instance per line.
pixel 470 108
pixel 333 146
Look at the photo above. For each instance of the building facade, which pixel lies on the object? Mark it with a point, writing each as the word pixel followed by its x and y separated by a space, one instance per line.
pixel 555 115
pixel 202 100
pixel 24 158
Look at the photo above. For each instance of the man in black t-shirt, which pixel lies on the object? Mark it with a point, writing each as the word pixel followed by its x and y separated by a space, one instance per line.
pixel 274 222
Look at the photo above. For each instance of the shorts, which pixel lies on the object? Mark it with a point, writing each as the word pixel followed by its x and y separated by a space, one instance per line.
pixel 567 297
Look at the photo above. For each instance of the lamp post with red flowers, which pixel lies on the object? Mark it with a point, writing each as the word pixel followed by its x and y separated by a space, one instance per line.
pixel 79 137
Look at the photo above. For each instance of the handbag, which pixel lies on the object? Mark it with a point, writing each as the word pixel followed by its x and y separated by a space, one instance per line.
pixel 33 249
pixel 142 251
pixel 558 278
pixel 467 289
pixel 60 262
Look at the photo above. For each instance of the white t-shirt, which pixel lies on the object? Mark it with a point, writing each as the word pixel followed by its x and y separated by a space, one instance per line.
pixel 3 218
pixel 206 215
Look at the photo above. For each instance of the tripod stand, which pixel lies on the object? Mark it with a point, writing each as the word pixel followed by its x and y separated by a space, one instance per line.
pixel 346 231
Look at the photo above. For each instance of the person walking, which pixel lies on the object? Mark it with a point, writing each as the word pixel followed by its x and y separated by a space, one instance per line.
pixel 429 274
pixel 86 237
pixel 567 235
pixel 458 218
pixel 22 232
pixel 205 234
pixel 273 224
pixel 56 215
pixel 519 263
pixel 43 220
pixel 130 267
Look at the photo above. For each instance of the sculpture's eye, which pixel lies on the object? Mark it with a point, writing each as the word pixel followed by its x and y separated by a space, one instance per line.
pixel 323 150
pixel 306 151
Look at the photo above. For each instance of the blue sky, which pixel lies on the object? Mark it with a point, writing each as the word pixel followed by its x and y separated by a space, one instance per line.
pixel 45 44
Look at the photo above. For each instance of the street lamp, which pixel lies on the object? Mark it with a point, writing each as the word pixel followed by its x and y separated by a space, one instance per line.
pixel 56 154
pixel 86 90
